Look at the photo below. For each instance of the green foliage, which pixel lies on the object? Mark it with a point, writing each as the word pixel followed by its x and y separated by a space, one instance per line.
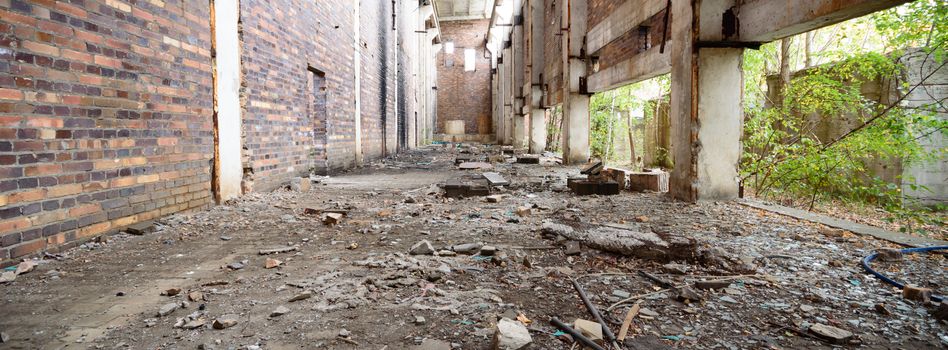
pixel 786 157
pixel 918 24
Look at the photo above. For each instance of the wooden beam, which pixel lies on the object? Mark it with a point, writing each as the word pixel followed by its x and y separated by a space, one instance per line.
pixel 627 17
pixel 769 20
pixel 643 66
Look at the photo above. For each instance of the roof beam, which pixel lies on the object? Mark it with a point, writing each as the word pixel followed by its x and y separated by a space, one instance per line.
pixel 769 20
pixel 625 18
pixel 643 66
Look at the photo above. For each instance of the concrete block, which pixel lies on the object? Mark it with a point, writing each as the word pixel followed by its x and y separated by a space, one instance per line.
pixel 655 181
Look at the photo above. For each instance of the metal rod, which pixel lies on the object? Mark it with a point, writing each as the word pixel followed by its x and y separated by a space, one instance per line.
pixel 595 312
pixel 576 336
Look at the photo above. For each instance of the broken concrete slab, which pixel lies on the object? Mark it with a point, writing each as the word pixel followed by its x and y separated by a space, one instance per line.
pixel 167 309
pixel 141 228
pixel 225 321
pixel 589 329
pixel 332 219
pixel 277 250
pixel 528 159
pixel 646 245
pixel 511 335
pixel 832 334
pixel 474 165
pixel 433 344
pixel 279 311
pixel 495 179
pixel 423 247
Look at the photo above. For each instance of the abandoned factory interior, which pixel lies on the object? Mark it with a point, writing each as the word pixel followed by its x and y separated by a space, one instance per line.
pixel 473 174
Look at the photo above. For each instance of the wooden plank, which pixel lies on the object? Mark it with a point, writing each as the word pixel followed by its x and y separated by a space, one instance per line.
pixel 769 20
pixel 627 17
pixel 643 66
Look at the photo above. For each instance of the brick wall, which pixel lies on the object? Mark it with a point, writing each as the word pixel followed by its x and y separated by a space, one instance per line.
pixel 464 95
pixel 629 44
pixel 553 54
pixel 378 79
pixel 105 117
pixel 281 40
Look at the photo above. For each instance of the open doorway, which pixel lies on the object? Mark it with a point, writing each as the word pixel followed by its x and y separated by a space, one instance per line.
pixel 318 116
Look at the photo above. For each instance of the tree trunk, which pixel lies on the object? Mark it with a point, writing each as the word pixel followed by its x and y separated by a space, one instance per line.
pixel 808 48
pixel 628 122
pixel 784 70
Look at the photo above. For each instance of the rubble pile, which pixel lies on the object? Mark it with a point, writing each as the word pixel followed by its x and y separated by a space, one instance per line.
pixel 403 264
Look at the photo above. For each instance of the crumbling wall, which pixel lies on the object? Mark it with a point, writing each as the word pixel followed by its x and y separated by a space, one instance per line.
pixel 464 95
pixel 105 118
pixel 932 91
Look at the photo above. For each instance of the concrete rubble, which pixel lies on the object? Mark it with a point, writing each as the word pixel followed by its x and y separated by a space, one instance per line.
pixel 444 272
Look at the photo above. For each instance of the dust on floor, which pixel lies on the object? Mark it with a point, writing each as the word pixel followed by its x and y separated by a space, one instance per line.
pixel 358 286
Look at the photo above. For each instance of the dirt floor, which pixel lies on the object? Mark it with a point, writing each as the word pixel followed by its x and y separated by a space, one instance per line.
pixel 362 289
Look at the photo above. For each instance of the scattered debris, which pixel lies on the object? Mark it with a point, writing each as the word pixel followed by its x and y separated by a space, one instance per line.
pixel 278 250
pixel 916 293
pixel 141 228
pixel 271 263
pixel 511 335
pixel 171 292
pixel 832 334
pixel 888 255
pixel 225 321
pixel 528 159
pixel 279 311
pixel 302 296
pixel 495 179
pixel 627 322
pixel 655 181
pixel 332 219
pixel 196 296
pixel 423 247
pixel 167 309
pixel 474 166
pixel 300 184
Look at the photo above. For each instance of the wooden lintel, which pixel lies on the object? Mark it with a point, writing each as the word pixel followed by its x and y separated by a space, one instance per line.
pixel 770 20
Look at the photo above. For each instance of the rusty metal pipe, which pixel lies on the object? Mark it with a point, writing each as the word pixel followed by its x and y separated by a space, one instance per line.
pixel 595 312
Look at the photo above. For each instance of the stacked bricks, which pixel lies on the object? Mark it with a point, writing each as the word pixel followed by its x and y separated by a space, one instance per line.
pixel 105 118
pixel 464 95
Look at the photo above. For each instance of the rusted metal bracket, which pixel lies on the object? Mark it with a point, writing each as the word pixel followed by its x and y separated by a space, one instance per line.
pixel 668 8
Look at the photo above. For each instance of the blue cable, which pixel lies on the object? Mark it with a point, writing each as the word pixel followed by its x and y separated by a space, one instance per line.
pixel 868 259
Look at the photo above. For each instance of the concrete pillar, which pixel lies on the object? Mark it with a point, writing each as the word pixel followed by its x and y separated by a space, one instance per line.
pixel 575 103
pixel 508 96
pixel 537 122
pixel 537 129
pixel 519 139
pixel 228 170
pixel 706 113
pixel 357 68
pixel 502 101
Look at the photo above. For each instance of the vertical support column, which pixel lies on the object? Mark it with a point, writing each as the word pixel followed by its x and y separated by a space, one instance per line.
pixel 502 100
pixel 537 122
pixel 357 67
pixel 537 133
pixel 228 170
pixel 575 102
pixel 519 120
pixel 508 96
pixel 706 112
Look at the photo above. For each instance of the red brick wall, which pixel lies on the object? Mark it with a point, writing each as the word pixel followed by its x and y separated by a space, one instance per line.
pixel 281 39
pixel 105 117
pixel 464 95
pixel 553 54
pixel 378 79
pixel 630 43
